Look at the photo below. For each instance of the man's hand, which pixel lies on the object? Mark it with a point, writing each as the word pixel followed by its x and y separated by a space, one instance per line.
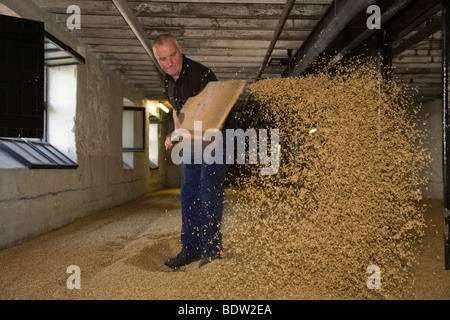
pixel 168 143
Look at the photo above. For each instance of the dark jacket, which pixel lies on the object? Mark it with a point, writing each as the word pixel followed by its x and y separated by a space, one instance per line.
pixel 192 80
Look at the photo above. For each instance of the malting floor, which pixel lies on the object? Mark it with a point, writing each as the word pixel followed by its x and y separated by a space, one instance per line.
pixel 120 254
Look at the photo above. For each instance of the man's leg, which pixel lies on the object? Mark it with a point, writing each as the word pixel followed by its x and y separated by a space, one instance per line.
pixel 191 249
pixel 190 209
pixel 213 197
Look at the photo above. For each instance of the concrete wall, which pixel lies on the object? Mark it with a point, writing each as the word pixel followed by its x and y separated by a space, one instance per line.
pixel 33 201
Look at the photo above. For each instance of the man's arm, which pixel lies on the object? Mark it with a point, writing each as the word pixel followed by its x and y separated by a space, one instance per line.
pixel 176 123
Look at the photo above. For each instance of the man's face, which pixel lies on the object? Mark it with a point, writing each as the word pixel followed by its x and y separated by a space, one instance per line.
pixel 170 58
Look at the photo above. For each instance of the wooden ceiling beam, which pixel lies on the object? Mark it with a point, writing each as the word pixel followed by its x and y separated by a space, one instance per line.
pixel 187 9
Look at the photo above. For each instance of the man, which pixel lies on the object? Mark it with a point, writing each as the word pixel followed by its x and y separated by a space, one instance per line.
pixel 201 192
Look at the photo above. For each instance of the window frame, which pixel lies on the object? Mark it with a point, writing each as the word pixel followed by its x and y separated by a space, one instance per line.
pixel 142 147
pixel 31 149
pixel 55 158
pixel 153 120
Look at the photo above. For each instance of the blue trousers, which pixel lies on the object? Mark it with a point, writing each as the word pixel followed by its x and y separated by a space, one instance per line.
pixel 202 198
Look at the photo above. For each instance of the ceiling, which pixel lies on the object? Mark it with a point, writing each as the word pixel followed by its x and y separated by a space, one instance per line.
pixel 249 40
pixel 230 37
pixel 418 57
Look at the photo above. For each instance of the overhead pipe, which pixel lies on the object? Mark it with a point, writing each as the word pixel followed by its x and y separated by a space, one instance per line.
pixel 386 16
pixel 137 29
pixel 324 37
pixel 276 35
pixel 446 127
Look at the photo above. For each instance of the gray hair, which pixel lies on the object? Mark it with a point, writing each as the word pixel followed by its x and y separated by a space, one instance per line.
pixel 160 40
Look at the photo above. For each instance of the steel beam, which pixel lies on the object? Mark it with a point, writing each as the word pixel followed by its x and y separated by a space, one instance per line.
pixel 329 27
pixel 446 127
pixel 137 29
pixel 276 35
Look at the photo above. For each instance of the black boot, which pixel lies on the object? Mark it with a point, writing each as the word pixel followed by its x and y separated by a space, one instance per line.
pixel 180 260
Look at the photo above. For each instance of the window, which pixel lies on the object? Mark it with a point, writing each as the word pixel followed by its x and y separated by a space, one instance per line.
pixel 133 129
pixel 21 78
pixel 61 106
pixel 153 141
pixel 35 154
pixel 133 133
pixel 32 96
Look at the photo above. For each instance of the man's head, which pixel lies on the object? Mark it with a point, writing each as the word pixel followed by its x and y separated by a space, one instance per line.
pixel 168 53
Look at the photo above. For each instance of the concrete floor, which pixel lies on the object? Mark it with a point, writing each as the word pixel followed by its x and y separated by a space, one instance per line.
pixel 120 253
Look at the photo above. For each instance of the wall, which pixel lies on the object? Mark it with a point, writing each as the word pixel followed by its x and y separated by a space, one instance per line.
pixel 35 201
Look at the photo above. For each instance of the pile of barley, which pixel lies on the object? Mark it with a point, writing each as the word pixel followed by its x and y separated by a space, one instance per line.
pixel 347 193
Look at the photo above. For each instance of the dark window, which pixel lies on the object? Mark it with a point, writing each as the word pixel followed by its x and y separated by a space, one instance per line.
pixel 25 49
pixel 21 78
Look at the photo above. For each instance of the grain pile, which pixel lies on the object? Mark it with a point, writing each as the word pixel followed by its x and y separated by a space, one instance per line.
pixel 347 193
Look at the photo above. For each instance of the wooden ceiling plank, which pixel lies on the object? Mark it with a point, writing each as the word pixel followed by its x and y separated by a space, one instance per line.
pixel 225 10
